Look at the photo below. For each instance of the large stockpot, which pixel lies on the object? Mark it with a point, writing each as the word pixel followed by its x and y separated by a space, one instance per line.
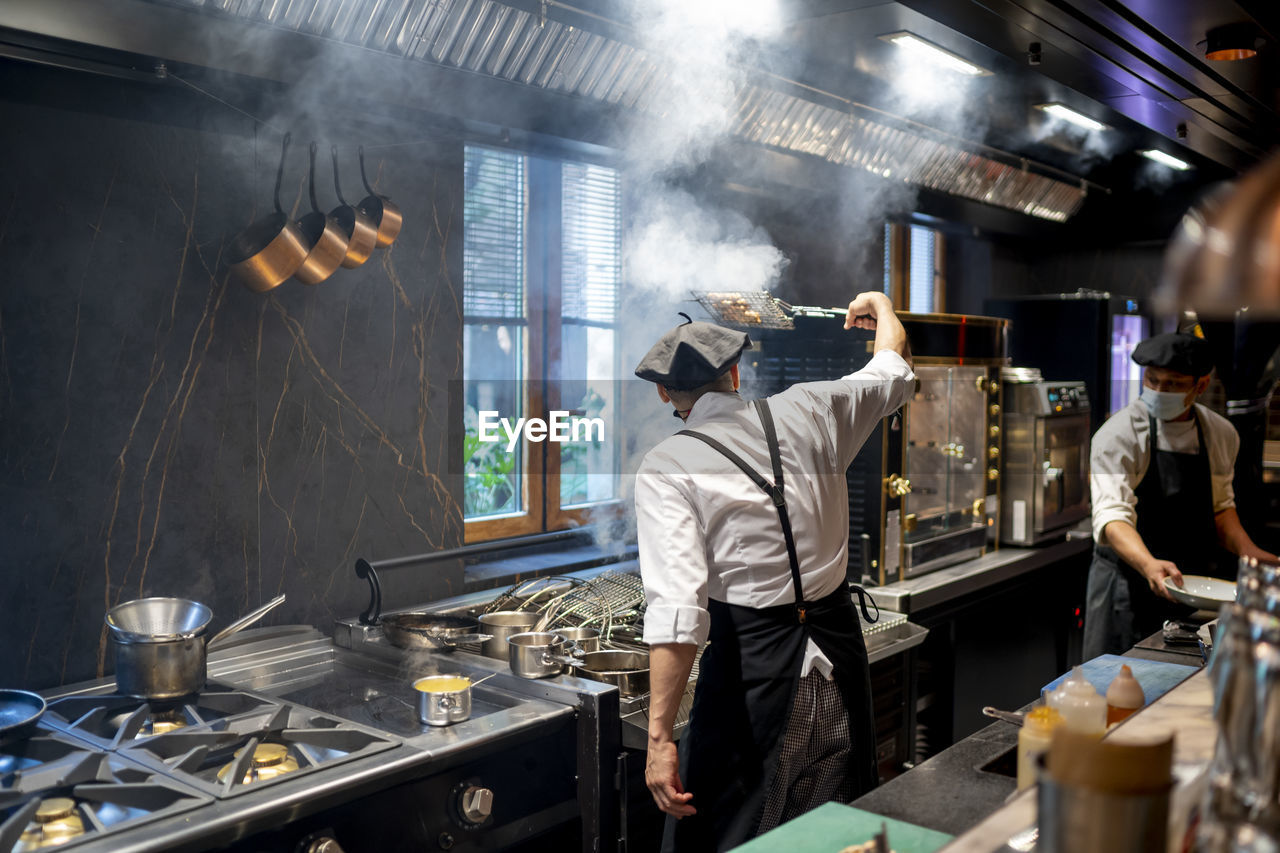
pixel 161 651
pixel 628 671
pixel 502 624
pixel 539 654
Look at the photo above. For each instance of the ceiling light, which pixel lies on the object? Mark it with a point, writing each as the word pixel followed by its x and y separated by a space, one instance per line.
pixel 1067 114
pixel 939 56
pixel 1230 42
pixel 1165 159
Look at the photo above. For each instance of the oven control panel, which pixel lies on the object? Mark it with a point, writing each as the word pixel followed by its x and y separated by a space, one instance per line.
pixel 1064 397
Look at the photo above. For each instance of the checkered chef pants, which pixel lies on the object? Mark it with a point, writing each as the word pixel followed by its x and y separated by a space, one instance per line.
pixel 814 760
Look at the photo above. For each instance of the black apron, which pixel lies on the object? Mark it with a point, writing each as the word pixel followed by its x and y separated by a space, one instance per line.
pixel 747 681
pixel 1175 521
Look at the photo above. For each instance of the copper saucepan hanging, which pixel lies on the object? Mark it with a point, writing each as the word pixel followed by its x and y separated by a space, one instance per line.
pixel 361 232
pixel 382 211
pixel 323 234
pixel 272 248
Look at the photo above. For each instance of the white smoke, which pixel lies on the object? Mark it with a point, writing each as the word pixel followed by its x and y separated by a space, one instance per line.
pixel 677 245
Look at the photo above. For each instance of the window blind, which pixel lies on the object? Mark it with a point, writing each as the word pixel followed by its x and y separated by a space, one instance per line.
pixel 923 270
pixel 493 233
pixel 591 245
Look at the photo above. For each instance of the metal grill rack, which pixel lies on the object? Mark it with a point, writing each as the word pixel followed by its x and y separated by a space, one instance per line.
pixel 606 601
pixel 745 309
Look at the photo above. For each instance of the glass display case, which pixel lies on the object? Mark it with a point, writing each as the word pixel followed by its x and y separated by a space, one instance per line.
pixel 946 463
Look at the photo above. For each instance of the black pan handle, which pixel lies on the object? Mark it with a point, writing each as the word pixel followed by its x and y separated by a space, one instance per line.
pixel 366 571
pixel 314 205
pixel 284 149
pixel 337 187
pixel 364 178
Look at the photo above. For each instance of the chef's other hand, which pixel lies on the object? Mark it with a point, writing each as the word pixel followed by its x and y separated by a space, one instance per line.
pixel 1156 571
pixel 865 308
pixel 662 775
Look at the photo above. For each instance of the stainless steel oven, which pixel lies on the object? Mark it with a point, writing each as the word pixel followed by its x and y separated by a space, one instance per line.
pixel 1045 477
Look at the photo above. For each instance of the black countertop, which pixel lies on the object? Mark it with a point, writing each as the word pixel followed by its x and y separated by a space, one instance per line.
pixel 957 788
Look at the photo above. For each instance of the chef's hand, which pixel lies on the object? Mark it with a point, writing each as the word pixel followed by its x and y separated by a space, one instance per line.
pixel 1155 571
pixel 662 775
pixel 866 308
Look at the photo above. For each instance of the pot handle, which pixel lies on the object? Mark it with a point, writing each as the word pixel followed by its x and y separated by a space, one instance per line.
pixel 312 178
pixel 337 187
pixel 284 149
pixel 365 571
pixel 363 177
pixel 247 620
pixel 454 642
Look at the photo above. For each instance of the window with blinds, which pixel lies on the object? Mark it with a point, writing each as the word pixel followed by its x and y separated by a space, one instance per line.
pixel 591 245
pixel 923 270
pixel 493 234
pixel 590 275
pixel 537 234
pixel 913 275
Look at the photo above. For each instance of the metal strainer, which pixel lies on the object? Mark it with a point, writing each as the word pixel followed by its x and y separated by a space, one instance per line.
pixel 152 620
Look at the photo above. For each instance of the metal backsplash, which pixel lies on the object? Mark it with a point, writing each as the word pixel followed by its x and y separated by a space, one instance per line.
pixel 501 41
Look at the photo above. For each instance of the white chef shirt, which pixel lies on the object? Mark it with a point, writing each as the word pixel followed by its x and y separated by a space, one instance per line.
pixel 1121 454
pixel 706 530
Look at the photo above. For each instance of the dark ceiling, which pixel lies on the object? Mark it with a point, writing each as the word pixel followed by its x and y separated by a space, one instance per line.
pixel 1134 65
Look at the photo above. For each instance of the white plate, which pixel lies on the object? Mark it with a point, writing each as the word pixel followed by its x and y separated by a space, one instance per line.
pixel 1201 592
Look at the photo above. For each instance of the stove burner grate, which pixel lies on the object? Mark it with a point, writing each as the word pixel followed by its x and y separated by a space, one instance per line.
pixel 55 791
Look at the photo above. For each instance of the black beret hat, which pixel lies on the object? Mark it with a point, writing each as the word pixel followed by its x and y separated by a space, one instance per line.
pixel 1175 351
pixel 692 354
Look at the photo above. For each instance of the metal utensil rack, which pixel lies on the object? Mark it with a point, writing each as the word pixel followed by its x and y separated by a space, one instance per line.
pixel 605 601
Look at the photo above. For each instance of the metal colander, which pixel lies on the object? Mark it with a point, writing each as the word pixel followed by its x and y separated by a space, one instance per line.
pixel 151 620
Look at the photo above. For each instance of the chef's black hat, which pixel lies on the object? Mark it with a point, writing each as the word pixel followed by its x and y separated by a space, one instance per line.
pixel 692 354
pixel 1175 351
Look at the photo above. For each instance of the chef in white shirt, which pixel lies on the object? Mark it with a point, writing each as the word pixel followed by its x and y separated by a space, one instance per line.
pixel 743 536
pixel 1160 507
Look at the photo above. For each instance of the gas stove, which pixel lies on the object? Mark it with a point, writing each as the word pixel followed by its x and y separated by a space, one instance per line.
pixel 294 740
pixel 58 791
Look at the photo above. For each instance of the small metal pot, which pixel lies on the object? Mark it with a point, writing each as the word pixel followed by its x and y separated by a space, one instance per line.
pixel 443 699
pixel 361 231
pixel 160 648
pixel 586 639
pixel 272 248
pixel 540 654
pixel 502 624
pixel 160 645
pixel 629 671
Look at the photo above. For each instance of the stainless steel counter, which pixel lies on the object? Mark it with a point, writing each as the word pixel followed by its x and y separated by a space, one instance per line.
pixel 917 594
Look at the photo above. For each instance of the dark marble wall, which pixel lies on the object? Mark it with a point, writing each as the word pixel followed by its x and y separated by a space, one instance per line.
pixel 165 431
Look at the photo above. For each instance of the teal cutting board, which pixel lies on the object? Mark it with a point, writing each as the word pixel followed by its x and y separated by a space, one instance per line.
pixel 1155 677
pixel 831 827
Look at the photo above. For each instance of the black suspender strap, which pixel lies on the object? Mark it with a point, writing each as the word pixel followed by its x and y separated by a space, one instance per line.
pixel 773 490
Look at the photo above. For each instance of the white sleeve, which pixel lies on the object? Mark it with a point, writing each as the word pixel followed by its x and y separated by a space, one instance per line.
pixel 673 561
pixel 860 400
pixel 1224 444
pixel 1116 466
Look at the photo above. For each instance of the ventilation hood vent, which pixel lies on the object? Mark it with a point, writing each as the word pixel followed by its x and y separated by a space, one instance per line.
pixel 502 41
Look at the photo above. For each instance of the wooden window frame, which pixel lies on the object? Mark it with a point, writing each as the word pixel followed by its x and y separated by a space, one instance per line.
pixel 543 330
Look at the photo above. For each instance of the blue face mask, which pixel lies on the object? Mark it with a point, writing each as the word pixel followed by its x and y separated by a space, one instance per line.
pixel 1163 405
